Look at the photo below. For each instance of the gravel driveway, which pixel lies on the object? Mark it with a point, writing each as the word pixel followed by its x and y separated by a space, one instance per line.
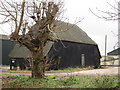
pixel 106 71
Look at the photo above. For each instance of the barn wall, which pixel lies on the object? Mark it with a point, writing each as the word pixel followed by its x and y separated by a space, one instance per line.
pixel 70 54
pixel 97 56
pixel 7 46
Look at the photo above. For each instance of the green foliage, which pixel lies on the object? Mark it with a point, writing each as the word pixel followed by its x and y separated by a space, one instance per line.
pixel 4 66
pixel 105 82
pixel 118 85
pixel 24 81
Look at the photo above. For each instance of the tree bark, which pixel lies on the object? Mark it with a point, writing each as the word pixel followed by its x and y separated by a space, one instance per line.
pixel 38 70
pixel 38 65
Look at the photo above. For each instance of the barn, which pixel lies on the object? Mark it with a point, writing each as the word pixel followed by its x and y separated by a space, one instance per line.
pixel 115 52
pixel 74 48
pixel 5 47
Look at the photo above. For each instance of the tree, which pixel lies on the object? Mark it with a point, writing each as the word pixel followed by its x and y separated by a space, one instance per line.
pixel 111 15
pixel 41 15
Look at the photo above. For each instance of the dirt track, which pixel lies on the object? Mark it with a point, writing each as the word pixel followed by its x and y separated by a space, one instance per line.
pixel 107 71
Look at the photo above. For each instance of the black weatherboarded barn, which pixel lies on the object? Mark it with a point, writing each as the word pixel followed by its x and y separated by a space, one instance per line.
pixel 5 47
pixel 73 48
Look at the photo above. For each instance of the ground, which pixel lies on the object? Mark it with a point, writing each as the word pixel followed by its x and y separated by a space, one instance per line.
pixel 95 78
pixel 105 71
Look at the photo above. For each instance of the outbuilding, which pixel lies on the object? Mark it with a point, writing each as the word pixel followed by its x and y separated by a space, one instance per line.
pixel 74 48
pixel 5 47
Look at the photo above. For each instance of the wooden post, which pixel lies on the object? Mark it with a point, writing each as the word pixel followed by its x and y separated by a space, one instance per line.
pixel 83 59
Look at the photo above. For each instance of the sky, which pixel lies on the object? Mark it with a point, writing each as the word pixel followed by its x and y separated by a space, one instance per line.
pixel 95 27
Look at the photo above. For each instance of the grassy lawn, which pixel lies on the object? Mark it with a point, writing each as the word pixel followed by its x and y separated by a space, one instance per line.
pixel 4 65
pixel 63 70
pixel 24 81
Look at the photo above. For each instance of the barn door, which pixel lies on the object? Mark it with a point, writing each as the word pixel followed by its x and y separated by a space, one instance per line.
pixel 83 59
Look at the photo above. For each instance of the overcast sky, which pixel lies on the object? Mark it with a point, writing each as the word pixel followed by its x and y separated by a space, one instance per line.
pixel 96 28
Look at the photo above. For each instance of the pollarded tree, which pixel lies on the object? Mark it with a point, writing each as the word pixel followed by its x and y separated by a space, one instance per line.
pixel 33 35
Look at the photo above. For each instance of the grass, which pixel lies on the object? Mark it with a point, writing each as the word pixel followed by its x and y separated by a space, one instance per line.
pixel 24 81
pixel 4 65
pixel 17 71
pixel 70 69
pixel 51 71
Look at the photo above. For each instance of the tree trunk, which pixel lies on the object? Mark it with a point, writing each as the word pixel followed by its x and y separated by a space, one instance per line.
pixel 38 70
pixel 38 65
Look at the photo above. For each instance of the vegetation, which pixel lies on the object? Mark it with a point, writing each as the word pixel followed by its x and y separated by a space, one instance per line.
pixel 4 65
pixel 70 69
pixel 25 81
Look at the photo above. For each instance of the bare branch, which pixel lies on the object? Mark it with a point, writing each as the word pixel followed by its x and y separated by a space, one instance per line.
pixel 6 10
pixel 108 15
pixel 21 18
pixel 115 8
pixel 112 16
